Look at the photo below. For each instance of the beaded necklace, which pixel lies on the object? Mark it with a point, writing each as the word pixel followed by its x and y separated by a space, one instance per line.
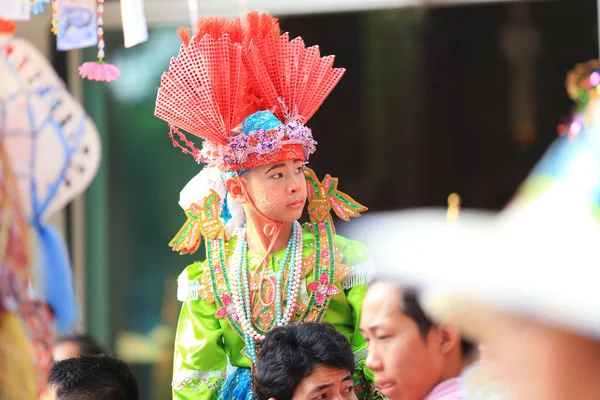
pixel 240 288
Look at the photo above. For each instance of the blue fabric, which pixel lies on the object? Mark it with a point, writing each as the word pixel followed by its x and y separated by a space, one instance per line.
pixel 237 386
pixel 60 293
pixel 225 213
pixel 567 160
pixel 564 151
pixel 260 119
pixel 37 6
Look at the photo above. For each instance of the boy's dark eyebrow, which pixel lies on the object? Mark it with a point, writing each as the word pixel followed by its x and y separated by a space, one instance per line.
pixel 278 165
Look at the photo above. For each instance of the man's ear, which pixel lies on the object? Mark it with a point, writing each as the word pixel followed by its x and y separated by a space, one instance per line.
pixel 234 187
pixel 449 338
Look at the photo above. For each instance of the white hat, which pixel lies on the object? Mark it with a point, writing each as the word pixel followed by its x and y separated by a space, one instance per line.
pixel 538 258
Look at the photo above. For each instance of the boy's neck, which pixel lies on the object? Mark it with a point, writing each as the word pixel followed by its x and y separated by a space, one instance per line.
pixel 258 240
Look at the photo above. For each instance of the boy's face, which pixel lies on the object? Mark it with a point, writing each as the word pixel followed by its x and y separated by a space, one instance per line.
pixel 406 365
pixel 278 190
pixel 326 383
pixel 539 362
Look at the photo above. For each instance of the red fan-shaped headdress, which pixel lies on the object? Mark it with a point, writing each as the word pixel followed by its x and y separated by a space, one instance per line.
pixel 245 90
pixel 291 79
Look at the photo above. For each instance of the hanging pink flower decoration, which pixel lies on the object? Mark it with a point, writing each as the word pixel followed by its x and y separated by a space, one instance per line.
pixel 99 71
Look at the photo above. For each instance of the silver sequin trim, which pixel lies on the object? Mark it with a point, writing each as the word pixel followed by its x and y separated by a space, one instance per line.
pixel 182 379
pixel 359 274
pixel 360 355
pixel 187 289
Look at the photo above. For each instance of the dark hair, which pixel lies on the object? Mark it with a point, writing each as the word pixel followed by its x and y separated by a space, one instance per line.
pixel 98 377
pixel 411 307
pixel 291 353
pixel 87 344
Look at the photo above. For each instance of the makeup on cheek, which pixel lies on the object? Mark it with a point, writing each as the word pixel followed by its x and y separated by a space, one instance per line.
pixel 265 199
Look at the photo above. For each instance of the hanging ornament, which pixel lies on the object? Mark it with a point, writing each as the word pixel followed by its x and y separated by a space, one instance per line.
pixel 54 28
pixel 99 70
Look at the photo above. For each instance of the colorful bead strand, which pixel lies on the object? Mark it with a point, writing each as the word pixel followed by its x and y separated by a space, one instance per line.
pixel 100 30
pixel 290 248
pixel 54 28
pixel 99 70
pixel 240 287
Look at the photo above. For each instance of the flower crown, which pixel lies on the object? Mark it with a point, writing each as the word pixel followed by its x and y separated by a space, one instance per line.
pixel 262 137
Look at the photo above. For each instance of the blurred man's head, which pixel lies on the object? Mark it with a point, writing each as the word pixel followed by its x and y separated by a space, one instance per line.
pixel 409 354
pixel 535 360
pixel 304 362
pixel 98 377
pixel 75 346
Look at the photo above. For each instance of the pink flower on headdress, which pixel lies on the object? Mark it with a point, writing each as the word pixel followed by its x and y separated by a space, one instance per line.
pixel 99 71
pixel 323 289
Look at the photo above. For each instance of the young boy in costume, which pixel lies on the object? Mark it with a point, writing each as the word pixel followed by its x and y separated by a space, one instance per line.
pixel 248 92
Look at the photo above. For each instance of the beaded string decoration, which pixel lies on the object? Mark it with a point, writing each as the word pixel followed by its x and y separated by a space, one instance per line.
pixel 240 287
pixel 54 28
pixel 99 70
pixel 233 295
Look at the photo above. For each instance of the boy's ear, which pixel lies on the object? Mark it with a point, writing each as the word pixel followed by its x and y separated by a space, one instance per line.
pixel 234 187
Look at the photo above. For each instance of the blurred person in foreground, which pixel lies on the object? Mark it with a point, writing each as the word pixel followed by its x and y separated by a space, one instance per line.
pixel 524 283
pixel 304 362
pixel 97 377
pixel 75 346
pixel 412 357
